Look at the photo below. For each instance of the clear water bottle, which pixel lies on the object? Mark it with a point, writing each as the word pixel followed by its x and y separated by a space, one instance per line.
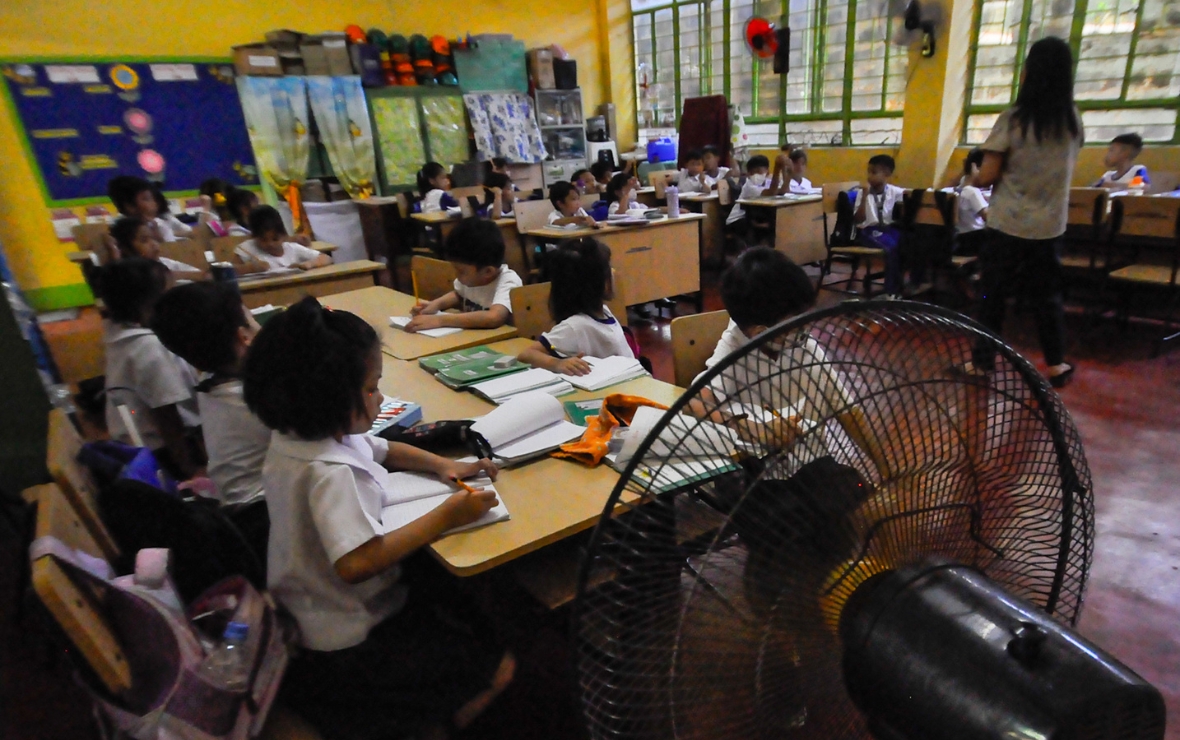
pixel 226 666
pixel 672 195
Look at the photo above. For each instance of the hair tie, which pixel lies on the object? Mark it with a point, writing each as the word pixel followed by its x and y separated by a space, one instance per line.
pixel 218 199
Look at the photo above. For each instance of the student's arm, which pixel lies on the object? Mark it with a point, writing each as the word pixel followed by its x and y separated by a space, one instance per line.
pixel 192 275
pixel 320 260
pixel 493 318
pixel 862 198
pixel 171 427
pixel 989 172
pixel 442 303
pixel 407 457
pixel 247 267
pixel 578 220
pixel 381 553
pixel 537 356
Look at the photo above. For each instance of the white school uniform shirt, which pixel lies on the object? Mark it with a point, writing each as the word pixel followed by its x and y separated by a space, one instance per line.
pixel 749 190
pixel 686 183
pixel 432 201
pixel 1128 178
pixel 239 230
pixel 971 204
pixel 879 208
pixel 324 499
pixel 236 442
pixel 171 228
pixel 586 335
pixel 802 187
pixel 292 255
pixel 143 375
pixel 712 179
pixel 614 207
pixel 557 215
pixel 495 293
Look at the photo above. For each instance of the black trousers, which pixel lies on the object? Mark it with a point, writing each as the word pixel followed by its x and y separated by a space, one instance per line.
pixel 1029 267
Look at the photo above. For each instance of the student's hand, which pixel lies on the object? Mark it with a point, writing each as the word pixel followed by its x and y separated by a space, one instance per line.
pixel 305 265
pixel 465 507
pixel 424 321
pixel 573 366
pixel 449 471
pixel 206 204
pixel 585 221
pixel 303 239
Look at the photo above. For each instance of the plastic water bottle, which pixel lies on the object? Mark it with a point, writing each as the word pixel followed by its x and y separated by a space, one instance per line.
pixel 226 666
pixel 672 194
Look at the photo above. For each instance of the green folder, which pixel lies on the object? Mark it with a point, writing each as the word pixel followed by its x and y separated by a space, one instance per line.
pixel 580 411
pixel 434 363
pixel 477 371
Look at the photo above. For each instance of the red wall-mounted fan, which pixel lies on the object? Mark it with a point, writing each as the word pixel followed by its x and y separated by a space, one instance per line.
pixel 766 41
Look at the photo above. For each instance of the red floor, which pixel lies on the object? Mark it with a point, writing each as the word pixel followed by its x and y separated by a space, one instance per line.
pixel 1126 406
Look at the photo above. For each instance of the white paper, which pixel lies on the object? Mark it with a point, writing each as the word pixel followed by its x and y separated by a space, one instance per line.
pixel 540 442
pixel 62 74
pixel 262 309
pixel 521 416
pixel 607 371
pixel 64 228
pixel 407 486
pixel 401 321
pixel 174 72
pixel 400 514
pixel 517 383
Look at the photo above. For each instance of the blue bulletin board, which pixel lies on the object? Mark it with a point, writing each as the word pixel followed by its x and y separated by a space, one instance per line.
pixel 177 122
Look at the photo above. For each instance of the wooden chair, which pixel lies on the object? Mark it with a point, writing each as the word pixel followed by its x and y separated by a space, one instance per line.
pixel 661 180
pixel 724 192
pixel 187 251
pixel 1163 181
pixel 89 237
pixel 851 254
pixel 1085 223
pixel 224 247
pixel 74 479
pixel 693 340
pixel 531 214
pixel 434 277
pixel 461 194
pixel 530 310
pixel 1152 227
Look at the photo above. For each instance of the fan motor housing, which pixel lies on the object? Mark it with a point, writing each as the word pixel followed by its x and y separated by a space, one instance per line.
pixel 940 651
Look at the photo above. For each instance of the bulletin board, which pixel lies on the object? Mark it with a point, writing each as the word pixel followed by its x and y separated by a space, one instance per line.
pixel 177 122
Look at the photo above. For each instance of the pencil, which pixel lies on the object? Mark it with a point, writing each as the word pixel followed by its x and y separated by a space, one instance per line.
pixel 463 485
pixel 414 281
pixel 777 415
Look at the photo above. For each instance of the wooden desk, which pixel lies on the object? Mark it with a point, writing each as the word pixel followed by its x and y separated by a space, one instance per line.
pixel 657 260
pixel 798 225
pixel 647 196
pixel 514 255
pixel 713 229
pixel 283 290
pixel 375 304
pixel 549 499
pixel 83 255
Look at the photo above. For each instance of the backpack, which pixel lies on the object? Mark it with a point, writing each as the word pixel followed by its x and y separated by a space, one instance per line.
pixel 844 232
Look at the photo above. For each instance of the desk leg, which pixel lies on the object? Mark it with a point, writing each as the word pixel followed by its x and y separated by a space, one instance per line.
pixel 700 301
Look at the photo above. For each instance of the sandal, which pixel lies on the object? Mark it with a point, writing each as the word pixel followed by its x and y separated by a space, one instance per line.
pixel 1062 379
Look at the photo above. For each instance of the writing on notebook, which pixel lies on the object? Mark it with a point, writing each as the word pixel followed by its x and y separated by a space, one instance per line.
pixel 401 321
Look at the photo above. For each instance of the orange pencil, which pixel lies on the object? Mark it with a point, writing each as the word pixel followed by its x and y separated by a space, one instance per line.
pixel 463 485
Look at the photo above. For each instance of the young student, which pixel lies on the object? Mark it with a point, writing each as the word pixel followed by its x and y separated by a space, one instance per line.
pixel 271 248
pixel 874 206
pixel 499 195
pixel 581 280
pixel 584 181
pixel 206 325
pixel 796 182
pixel 620 194
pixel 1120 158
pixel 239 203
pixel 135 238
pixel 154 384
pixel 378 658
pixel 603 174
pixel 755 185
pixel 170 227
pixel 692 178
pixel 433 184
pixel 134 196
pixel 971 219
pixel 567 207
pixel 475 248
pixel 711 159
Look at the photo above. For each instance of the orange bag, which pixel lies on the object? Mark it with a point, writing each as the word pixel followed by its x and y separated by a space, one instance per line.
pixel 617 409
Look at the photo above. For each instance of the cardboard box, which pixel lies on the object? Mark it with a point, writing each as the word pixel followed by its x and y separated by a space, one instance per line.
pixel 315 60
pixel 541 69
pixel 292 62
pixel 565 74
pixel 257 59
pixel 283 38
pixel 336 52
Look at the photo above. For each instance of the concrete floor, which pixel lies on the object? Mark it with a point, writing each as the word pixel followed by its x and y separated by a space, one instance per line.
pixel 1125 404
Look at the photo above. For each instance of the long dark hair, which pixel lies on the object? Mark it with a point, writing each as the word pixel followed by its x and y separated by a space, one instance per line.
pixel 1045 99
pixel 429 171
pixel 579 271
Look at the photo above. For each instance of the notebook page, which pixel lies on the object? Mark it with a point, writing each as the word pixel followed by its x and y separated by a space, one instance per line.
pixel 543 440
pixel 522 382
pixel 407 486
pixel 607 371
pixel 401 321
pixel 399 515
pixel 519 416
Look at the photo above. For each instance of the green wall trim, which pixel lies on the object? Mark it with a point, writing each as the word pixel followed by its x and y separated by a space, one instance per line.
pixel 59 296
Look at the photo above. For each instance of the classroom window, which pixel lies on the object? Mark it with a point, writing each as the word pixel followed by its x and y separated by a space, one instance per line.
pixel 846 82
pixel 1127 52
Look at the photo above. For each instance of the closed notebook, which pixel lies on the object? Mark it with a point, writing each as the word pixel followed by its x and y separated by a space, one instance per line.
pixel 530 425
pixel 401 321
pixel 407 500
pixel 434 363
pixel 479 370
pixel 502 389
pixel 607 371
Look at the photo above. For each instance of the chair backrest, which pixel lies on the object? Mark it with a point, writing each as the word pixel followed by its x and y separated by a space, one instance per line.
pixel 618 304
pixel 660 180
pixel 1146 216
pixel 724 192
pixel 934 208
pixel 74 478
pixel 189 252
pixel 224 247
pixel 531 214
pixel 90 236
pixel 530 310
pixel 831 190
pixel 433 277
pixel 1087 206
pixel 1163 181
pixel 693 340
pixel 72 607
pixel 590 199
pixel 461 194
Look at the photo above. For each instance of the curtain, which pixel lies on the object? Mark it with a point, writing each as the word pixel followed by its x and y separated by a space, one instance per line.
pixel 338 104
pixel 504 126
pixel 400 139
pixel 277 121
pixel 446 126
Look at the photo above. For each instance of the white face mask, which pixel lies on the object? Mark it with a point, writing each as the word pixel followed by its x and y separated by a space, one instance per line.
pixel 758 179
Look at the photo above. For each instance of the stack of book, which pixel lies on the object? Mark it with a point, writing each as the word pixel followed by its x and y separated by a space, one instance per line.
pixel 495 376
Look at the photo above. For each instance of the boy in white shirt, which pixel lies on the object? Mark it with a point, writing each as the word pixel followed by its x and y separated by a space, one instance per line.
pixel 475 247
pixel 874 206
pixel 971 216
pixel 567 207
pixel 757 184
pixel 712 166
pixel 796 182
pixel 155 385
pixel 270 246
pixel 692 178
pixel 1123 173
pixel 206 325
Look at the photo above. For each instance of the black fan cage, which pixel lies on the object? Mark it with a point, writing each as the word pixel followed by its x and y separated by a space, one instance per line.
pixel 712 586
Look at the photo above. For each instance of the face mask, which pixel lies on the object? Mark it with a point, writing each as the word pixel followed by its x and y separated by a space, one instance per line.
pixel 758 179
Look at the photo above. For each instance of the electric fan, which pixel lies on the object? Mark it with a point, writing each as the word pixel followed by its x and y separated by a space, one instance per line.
pixel 765 41
pixel 855 542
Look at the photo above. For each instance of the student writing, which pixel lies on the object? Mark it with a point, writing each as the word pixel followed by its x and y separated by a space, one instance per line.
pixel 270 249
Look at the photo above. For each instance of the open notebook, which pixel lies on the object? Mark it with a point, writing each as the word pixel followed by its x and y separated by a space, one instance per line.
pixel 527 426
pixel 607 371
pixel 401 321
pixel 410 496
pixel 703 450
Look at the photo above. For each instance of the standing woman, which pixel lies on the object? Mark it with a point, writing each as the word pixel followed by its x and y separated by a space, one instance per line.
pixel 1030 157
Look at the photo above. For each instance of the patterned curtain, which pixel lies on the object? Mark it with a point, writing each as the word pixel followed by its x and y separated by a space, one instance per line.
pixel 338 104
pixel 400 139
pixel 276 119
pixel 504 126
